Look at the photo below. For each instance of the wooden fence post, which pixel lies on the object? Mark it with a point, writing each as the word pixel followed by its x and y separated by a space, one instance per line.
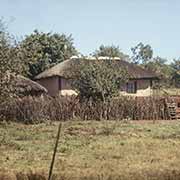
pixel 54 154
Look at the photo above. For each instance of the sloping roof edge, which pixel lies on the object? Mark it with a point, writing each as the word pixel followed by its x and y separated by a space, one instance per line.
pixel 25 85
pixel 135 71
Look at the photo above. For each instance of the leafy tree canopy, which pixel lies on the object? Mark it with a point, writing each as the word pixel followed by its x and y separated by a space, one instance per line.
pixel 98 79
pixel 176 65
pixel 44 50
pixel 10 62
pixel 110 51
pixel 164 70
pixel 142 54
pixel 176 75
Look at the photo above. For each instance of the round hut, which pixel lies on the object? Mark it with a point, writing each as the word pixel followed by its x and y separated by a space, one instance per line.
pixel 26 87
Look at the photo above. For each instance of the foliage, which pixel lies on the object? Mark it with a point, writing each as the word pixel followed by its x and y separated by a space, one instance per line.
pixel 162 69
pixel 10 63
pixel 98 79
pixel 176 75
pixel 176 65
pixel 142 53
pixel 169 74
pixel 41 51
pixel 110 51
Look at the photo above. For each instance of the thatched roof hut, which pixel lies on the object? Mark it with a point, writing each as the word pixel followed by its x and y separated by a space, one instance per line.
pixel 57 79
pixel 26 87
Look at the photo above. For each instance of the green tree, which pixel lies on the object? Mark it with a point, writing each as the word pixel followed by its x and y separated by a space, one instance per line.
pixel 98 79
pixel 176 64
pixel 44 50
pixel 110 51
pixel 142 54
pixel 176 74
pixel 164 70
pixel 10 63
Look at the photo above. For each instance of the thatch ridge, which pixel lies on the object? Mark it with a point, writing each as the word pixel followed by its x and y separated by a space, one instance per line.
pixel 135 71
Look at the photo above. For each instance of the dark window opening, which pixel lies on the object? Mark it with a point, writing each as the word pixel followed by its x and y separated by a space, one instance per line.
pixel 151 83
pixel 59 83
pixel 131 87
pixel 178 105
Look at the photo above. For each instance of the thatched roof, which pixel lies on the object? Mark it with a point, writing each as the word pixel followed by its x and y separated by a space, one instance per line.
pixel 57 70
pixel 25 86
pixel 135 71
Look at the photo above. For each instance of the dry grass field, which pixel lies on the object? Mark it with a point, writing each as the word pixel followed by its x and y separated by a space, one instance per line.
pixel 91 150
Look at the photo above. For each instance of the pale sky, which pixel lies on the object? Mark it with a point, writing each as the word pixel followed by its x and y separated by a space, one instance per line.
pixel 94 22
